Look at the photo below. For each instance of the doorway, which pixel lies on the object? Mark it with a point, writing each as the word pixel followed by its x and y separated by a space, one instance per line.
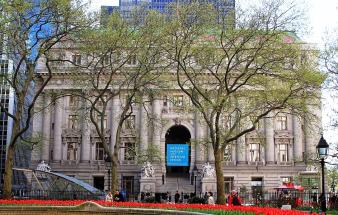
pixel 180 136
pixel 98 182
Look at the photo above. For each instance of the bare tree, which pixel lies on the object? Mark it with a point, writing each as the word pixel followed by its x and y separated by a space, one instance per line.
pixel 237 76
pixel 30 29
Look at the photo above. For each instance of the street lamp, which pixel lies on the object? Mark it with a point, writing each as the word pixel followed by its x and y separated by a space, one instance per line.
pixel 322 149
pixel 108 167
pixel 195 171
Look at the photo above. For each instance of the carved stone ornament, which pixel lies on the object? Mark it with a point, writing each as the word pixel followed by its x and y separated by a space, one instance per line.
pixel 43 167
pixel 208 171
pixel 147 170
pixel 177 121
pixel 311 168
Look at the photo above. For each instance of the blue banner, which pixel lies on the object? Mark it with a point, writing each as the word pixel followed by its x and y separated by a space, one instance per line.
pixel 177 155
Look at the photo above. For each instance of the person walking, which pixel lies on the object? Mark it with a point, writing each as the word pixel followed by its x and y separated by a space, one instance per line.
pixel 234 199
pixel 177 197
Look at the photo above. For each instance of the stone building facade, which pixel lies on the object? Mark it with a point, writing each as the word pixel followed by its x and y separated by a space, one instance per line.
pixel 273 154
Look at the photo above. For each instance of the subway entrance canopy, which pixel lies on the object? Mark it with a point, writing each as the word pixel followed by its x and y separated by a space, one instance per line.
pixel 43 183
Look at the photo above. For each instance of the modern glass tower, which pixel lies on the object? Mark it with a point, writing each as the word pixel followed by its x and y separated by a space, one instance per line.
pixel 127 7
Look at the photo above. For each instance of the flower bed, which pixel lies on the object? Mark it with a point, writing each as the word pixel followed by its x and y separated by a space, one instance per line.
pixel 212 209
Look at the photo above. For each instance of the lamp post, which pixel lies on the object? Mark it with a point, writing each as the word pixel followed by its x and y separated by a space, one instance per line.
pixel 322 149
pixel 195 171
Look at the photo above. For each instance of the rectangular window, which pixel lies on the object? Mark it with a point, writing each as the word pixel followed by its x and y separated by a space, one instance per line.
pixel 254 152
pixel 227 153
pixel 73 101
pixel 178 100
pixel 132 60
pixel 99 151
pixel 130 122
pixel 73 122
pixel 102 120
pixel 281 123
pixel 165 101
pixel 76 58
pixel 228 184
pixel 283 152
pixel 129 151
pixel 72 151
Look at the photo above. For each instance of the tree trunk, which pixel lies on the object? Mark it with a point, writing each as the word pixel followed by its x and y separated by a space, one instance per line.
pixel 7 189
pixel 114 182
pixel 219 177
pixel 114 162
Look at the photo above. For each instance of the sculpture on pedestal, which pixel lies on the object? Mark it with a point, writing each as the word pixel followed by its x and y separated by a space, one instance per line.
pixel 208 171
pixel 43 167
pixel 147 170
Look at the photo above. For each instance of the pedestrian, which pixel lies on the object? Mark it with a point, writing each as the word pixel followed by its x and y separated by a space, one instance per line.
pixel 177 197
pixel 109 197
pixel 211 200
pixel 234 199
pixel 117 196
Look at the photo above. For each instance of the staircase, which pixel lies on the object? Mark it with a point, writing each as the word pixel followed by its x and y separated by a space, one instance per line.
pixel 180 182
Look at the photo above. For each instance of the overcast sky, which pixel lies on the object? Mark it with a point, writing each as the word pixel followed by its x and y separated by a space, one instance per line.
pixel 322 18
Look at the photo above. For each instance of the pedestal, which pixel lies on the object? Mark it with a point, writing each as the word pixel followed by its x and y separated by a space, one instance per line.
pixel 209 185
pixel 147 185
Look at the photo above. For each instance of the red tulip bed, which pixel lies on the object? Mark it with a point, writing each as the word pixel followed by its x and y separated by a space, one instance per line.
pixel 211 209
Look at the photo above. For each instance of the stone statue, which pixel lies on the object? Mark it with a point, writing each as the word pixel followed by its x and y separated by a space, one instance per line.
pixel 147 170
pixel 208 171
pixel 43 167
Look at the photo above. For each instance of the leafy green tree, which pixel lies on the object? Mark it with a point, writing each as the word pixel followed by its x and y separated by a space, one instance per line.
pixel 237 76
pixel 29 30
pixel 122 63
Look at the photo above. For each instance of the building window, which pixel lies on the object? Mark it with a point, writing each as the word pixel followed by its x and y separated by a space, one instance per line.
pixel 283 152
pixel 72 151
pixel 129 151
pixel 73 101
pixel 281 123
pixel 228 184
pixel 165 101
pixel 130 122
pixel 100 120
pixel 132 60
pixel 76 58
pixel 254 152
pixel 73 122
pixel 99 151
pixel 178 100
pixel 227 153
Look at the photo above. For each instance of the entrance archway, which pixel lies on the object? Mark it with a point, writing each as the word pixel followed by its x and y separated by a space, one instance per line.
pixel 180 135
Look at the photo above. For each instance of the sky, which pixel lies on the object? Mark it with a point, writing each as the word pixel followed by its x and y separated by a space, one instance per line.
pixel 322 16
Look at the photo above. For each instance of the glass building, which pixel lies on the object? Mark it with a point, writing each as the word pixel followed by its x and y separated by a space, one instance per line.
pixel 128 7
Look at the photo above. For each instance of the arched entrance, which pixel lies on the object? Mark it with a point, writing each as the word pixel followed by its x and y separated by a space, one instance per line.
pixel 177 145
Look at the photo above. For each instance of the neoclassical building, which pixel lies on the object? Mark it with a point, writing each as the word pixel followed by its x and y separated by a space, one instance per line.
pixel 273 154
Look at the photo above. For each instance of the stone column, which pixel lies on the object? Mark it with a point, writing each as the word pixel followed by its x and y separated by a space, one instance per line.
pixel 38 128
pixel 157 125
pixel 269 137
pixel 143 132
pixel 297 139
pixel 46 129
pixel 199 134
pixel 85 142
pixel 211 156
pixel 58 117
pixel 241 149
pixel 115 113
